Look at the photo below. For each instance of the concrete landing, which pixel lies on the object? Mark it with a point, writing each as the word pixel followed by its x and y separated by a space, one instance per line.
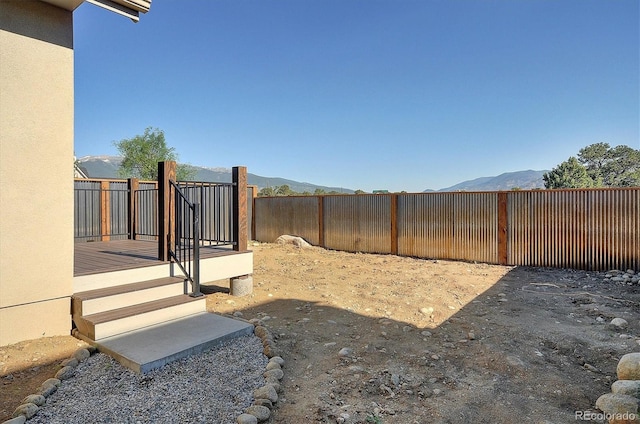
pixel 152 347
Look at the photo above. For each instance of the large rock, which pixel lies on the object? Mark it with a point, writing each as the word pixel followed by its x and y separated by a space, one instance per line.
pixel 27 409
pixel 65 373
pixel 247 419
pixel 294 240
pixel 266 392
pixel 37 400
pixel 627 387
pixel 629 367
pixel 622 408
pixel 262 413
pixel 274 373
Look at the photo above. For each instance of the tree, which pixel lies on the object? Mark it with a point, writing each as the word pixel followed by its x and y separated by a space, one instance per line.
pixel 359 192
pixel 622 168
pixel 569 174
pixel 284 190
pixel 605 166
pixel 267 192
pixel 142 153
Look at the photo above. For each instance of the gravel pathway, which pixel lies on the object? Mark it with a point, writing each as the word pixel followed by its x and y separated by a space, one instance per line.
pixel 213 387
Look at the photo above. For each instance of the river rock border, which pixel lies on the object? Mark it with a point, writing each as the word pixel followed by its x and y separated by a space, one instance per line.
pixel 32 403
pixel 622 404
pixel 265 397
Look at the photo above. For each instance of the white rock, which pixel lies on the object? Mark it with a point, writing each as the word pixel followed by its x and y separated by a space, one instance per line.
pixel 619 322
pixel 294 240
pixel 428 311
pixel 345 351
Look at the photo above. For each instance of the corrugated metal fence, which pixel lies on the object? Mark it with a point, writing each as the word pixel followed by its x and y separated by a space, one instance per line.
pixel 595 229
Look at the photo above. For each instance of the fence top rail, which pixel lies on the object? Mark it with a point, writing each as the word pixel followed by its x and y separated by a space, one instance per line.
pixel 203 184
pixel 462 192
pixel 111 180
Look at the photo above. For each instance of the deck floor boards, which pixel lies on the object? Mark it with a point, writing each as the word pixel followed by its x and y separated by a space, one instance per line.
pixel 106 256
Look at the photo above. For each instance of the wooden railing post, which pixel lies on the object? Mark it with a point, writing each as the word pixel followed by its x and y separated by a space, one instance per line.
pixel 240 227
pixel 105 211
pixel 502 228
pixel 166 172
pixel 132 185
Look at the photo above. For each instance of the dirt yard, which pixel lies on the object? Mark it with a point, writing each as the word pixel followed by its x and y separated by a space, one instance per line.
pixel 385 339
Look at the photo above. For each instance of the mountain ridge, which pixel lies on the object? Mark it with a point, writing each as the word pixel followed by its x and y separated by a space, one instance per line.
pixel 104 166
pixel 524 180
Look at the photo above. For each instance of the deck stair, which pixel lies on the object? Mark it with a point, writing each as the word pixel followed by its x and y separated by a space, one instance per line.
pixel 147 324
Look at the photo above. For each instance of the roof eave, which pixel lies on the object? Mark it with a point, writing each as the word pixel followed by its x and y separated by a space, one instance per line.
pixel 129 8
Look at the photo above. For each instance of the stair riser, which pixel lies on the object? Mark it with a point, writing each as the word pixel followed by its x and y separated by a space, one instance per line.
pixel 112 328
pixel 107 303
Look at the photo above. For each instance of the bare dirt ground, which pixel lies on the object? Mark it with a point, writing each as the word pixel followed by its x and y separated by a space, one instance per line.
pixel 386 339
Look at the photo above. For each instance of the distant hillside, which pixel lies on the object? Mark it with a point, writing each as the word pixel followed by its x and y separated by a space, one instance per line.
pixel 525 180
pixel 107 167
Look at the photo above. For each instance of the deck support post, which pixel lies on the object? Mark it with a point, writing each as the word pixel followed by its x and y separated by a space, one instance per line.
pixel 241 286
pixel 166 173
pixel 240 225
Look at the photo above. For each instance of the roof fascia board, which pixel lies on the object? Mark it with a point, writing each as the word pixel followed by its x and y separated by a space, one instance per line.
pixel 130 9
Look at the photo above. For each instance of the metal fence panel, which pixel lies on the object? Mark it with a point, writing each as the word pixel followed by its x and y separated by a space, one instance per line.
pixel 449 226
pixel 275 216
pixel 585 229
pixel 146 209
pixel 87 210
pixel 358 223
pixel 119 210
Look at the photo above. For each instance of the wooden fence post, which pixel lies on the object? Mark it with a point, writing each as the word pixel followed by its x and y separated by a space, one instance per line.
pixel 166 172
pixel 321 221
pixel 254 194
pixel 132 185
pixel 394 223
pixel 502 228
pixel 105 211
pixel 240 228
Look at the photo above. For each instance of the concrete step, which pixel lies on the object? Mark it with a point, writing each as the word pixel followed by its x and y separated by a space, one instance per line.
pixel 117 321
pixel 109 298
pixel 154 346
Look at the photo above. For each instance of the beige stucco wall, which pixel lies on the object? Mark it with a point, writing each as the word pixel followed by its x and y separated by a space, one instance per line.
pixel 36 158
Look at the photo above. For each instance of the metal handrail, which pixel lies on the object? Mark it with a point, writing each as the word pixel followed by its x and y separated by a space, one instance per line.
pixel 184 244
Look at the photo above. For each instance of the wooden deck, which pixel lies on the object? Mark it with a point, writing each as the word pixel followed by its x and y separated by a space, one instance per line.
pixel 106 256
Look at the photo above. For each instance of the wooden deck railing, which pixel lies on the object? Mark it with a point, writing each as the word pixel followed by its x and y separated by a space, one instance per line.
pixel 595 229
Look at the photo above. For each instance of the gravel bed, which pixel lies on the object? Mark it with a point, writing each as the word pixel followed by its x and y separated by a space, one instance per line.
pixel 212 387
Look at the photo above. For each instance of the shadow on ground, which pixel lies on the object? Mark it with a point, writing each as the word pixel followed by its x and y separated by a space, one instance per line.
pixel 535 347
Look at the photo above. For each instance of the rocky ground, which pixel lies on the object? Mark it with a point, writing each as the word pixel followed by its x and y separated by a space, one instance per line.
pixel 385 339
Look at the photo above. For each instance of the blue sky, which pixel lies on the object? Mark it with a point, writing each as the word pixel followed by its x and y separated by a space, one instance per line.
pixel 363 94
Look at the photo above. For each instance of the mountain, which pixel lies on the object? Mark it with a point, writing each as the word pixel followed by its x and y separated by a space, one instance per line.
pixel 107 167
pixel 525 180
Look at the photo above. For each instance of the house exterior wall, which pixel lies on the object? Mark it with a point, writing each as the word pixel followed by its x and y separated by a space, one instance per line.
pixel 36 152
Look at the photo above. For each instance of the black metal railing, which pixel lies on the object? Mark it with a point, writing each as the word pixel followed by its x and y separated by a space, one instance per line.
pixel 184 244
pixel 216 210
